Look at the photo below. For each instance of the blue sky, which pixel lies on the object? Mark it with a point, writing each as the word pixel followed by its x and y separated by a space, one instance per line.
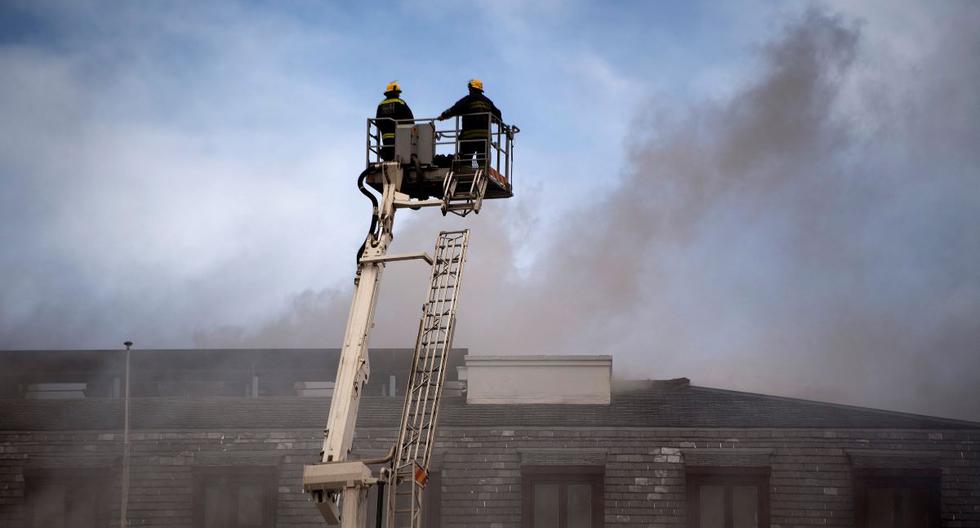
pixel 272 85
pixel 757 195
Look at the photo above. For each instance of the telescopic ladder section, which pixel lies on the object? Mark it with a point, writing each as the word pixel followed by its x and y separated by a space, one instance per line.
pixel 410 465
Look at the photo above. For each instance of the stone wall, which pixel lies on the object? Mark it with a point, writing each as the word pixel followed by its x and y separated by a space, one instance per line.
pixel 480 469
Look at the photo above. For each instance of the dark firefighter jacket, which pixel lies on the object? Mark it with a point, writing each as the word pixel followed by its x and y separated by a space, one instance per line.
pixel 391 108
pixel 474 126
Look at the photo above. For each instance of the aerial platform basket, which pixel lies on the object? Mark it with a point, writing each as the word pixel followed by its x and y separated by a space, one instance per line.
pixel 437 159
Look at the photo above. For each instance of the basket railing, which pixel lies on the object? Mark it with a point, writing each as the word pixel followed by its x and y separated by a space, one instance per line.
pixel 495 151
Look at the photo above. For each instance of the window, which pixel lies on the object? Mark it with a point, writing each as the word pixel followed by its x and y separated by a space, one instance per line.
pixel 728 498
pixel 562 496
pixel 897 498
pixel 235 497
pixel 67 498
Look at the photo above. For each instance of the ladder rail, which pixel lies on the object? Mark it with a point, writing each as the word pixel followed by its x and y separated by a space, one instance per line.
pixel 446 345
pixel 436 310
pixel 413 450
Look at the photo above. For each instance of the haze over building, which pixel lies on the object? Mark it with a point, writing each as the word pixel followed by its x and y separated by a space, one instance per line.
pixel 776 201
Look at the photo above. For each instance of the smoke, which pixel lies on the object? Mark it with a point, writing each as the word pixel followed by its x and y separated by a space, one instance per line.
pixel 812 235
pixel 148 180
pixel 807 229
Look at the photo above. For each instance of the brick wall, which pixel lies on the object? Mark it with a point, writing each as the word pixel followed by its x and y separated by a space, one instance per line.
pixel 644 469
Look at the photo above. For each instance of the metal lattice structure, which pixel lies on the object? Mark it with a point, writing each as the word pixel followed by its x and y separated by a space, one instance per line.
pixel 409 467
pixel 464 189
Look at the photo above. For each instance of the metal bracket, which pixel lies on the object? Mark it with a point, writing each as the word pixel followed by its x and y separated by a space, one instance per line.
pixel 416 204
pixel 334 476
pixel 327 479
pixel 420 255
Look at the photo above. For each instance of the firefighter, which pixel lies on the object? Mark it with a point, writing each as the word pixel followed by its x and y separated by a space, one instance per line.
pixel 474 136
pixel 392 109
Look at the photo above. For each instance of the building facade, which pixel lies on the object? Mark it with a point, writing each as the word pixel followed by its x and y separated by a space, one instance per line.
pixel 219 438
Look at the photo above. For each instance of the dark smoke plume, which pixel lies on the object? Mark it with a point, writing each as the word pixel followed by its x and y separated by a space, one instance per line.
pixel 814 235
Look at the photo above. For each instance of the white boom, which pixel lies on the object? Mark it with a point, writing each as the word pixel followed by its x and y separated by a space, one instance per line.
pixel 339 486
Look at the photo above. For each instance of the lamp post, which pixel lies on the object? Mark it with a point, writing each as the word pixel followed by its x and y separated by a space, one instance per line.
pixel 124 500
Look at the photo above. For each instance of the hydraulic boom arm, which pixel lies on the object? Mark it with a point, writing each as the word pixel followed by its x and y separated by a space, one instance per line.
pixel 339 486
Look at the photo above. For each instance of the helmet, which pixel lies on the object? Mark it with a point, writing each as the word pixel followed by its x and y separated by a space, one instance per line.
pixel 475 84
pixel 393 86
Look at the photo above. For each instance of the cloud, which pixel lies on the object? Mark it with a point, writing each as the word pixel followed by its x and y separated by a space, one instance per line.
pixel 806 231
pixel 808 236
pixel 150 167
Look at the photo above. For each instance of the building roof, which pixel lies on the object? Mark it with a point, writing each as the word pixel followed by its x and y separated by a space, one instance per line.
pixel 667 403
pixel 676 403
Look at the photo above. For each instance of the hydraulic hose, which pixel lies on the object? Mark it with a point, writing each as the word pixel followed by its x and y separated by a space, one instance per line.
pixel 373 230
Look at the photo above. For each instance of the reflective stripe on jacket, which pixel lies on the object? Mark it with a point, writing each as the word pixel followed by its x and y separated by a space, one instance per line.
pixel 391 108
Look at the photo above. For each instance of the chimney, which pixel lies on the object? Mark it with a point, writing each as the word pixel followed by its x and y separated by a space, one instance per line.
pixel 582 380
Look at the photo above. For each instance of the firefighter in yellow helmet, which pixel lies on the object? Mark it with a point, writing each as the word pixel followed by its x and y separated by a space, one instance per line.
pixel 391 111
pixel 476 110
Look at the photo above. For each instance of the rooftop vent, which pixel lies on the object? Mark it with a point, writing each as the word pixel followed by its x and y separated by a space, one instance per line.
pixel 631 385
pixel 314 389
pixel 56 391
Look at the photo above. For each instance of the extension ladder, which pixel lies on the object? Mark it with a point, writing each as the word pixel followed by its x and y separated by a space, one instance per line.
pixel 464 188
pixel 409 469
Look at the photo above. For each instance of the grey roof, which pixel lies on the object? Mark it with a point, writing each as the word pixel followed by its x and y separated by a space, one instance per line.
pixel 661 404
pixel 676 403
pixel 668 403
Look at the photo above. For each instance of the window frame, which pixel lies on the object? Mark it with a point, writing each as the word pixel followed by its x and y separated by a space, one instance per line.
pixel 564 475
pixel 267 474
pixel 870 478
pixel 728 477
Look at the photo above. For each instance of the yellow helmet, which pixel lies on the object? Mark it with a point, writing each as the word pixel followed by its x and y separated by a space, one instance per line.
pixel 476 84
pixel 393 86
